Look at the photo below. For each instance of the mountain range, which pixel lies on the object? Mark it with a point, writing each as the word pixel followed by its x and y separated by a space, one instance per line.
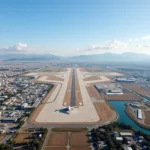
pixel 124 57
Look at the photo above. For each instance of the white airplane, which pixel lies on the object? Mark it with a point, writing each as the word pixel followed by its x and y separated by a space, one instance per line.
pixel 67 109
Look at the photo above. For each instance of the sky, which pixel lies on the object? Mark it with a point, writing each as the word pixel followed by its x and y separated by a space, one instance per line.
pixel 74 27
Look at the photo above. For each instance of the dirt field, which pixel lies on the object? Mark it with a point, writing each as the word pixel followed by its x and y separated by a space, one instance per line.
pixel 137 88
pixel 55 78
pixel 55 148
pixel 104 111
pixel 58 139
pixel 92 78
pixel 69 129
pixel 1 137
pixel 79 139
pixel 39 108
pixel 54 69
pixel 23 137
pixel 94 69
pixel 148 104
pixel 93 92
pixel 126 96
pixel 147 120
pixel 80 148
pixel 83 70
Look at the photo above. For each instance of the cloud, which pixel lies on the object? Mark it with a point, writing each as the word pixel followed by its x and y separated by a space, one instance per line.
pixel 143 46
pixel 115 44
pixel 17 48
pixel 21 47
pixel 147 37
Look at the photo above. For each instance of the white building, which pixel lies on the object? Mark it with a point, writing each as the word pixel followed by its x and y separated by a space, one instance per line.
pixel 24 105
pixel 2 107
pixel 126 134
pixel 119 138
pixel 139 114
pixel 127 148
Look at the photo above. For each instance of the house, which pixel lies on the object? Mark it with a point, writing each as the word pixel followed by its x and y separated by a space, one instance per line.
pixel 116 134
pixel 3 107
pixel 126 134
pixel 127 148
pixel 119 138
pixel 24 105
pixel 9 119
pixel 2 130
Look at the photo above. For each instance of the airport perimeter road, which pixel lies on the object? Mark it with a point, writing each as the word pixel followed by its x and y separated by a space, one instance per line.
pixel 73 90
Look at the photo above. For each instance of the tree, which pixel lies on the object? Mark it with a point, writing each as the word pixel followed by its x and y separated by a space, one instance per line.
pixel 34 148
pixel 5 147
pixel 133 146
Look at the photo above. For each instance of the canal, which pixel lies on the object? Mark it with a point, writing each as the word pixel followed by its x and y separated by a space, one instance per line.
pixel 123 117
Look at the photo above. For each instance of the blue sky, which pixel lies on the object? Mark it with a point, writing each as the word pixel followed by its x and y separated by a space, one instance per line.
pixel 71 27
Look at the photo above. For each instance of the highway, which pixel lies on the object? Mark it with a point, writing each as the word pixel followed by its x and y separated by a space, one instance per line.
pixel 73 91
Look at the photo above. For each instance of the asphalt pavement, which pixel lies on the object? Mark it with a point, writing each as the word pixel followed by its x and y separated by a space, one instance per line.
pixel 73 90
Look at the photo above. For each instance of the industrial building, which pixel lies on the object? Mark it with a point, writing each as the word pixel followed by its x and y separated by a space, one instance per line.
pixel 136 104
pixel 139 114
pixel 109 88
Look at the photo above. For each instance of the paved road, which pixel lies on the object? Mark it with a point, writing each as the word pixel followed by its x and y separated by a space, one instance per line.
pixel 73 91
pixel 46 140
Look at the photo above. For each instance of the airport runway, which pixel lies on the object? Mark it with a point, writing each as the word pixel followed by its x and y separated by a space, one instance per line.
pixel 73 90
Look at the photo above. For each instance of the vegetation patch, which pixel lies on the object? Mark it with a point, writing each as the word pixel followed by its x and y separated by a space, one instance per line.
pixel 30 141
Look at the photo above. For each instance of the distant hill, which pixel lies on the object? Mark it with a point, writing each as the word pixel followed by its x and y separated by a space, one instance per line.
pixel 28 57
pixel 106 57
pixel 113 57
